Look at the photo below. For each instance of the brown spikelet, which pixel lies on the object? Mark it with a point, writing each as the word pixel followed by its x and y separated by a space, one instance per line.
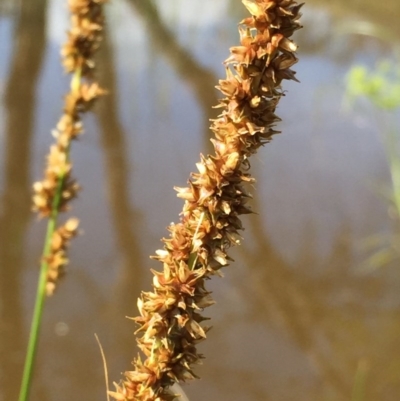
pixel 170 321
pixel 57 258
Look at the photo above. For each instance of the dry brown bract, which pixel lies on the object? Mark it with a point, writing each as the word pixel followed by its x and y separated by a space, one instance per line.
pixel 170 319
pixel 53 193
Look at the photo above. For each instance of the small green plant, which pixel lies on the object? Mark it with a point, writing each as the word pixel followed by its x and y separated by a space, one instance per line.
pixel 381 87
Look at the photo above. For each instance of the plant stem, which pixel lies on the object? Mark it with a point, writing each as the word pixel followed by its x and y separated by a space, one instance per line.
pixel 86 24
pixel 40 296
pixel 360 379
pixel 394 166
pixel 44 266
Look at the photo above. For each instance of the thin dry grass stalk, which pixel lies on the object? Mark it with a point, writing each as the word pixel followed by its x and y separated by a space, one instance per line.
pixel 53 194
pixel 170 316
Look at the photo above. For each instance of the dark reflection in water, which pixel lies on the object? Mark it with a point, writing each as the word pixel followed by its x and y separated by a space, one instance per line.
pixel 293 322
pixel 199 78
pixel 19 100
pixel 126 220
pixel 283 294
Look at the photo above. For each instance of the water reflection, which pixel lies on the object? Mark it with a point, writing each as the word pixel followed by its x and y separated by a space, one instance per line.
pixel 295 303
pixel 19 101
pixel 295 318
pixel 127 222
pixel 200 79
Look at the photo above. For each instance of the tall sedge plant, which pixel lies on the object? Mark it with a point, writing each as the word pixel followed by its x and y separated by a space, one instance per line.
pixel 196 249
pixel 53 194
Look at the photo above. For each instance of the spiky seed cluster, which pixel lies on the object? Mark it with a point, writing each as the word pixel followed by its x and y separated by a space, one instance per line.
pixel 170 316
pixel 45 190
pixel 57 257
pixel 57 188
pixel 87 20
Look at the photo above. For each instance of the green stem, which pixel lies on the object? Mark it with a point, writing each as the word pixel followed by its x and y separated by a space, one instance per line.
pixel 41 288
pixel 394 168
pixel 358 393
pixel 40 296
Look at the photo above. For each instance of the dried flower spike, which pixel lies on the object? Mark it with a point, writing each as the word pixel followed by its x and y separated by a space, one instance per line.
pixel 53 194
pixel 57 188
pixel 170 321
pixel 57 258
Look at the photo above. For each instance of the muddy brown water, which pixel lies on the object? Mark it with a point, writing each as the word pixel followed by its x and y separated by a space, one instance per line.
pixel 298 315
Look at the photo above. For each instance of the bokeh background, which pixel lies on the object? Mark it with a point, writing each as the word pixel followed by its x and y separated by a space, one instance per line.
pixel 310 309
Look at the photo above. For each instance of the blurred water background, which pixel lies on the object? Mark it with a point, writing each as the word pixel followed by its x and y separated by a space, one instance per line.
pixel 300 315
